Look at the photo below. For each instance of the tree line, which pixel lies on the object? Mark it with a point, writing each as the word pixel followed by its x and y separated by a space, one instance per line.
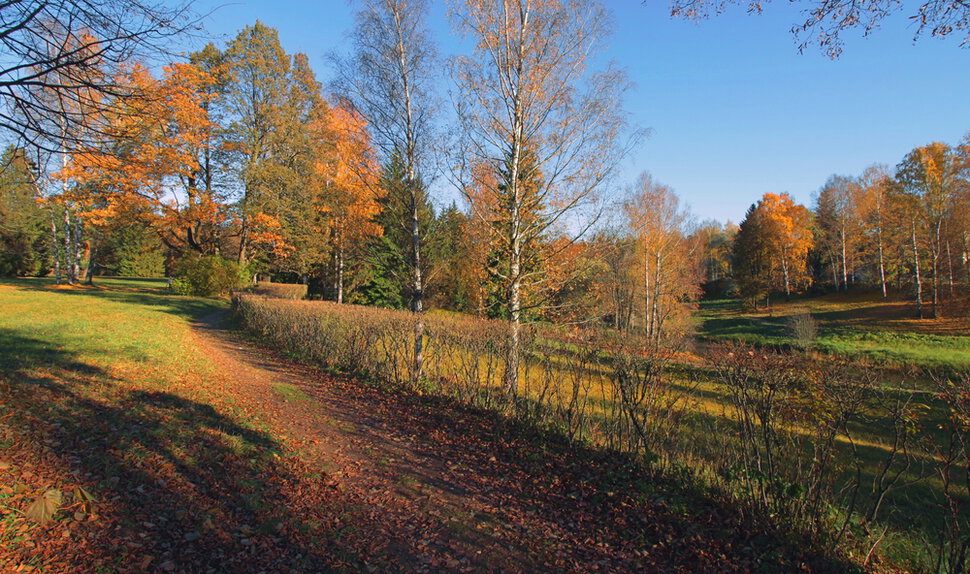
pixel 901 231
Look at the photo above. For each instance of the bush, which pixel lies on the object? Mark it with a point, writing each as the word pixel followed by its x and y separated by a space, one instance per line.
pixel 814 447
pixel 281 290
pixel 208 276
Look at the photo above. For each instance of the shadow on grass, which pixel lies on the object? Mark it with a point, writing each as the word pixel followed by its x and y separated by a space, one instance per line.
pixel 591 494
pixel 179 486
pixel 750 329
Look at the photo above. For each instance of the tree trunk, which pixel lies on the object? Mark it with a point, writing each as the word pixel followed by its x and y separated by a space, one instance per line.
pixel 89 271
pixel 919 285
pixel 835 274
pixel 966 259
pixel 784 268
pixel 339 275
pixel 512 358
pixel 949 264
pixel 936 271
pixel 882 264
pixel 241 258
pixel 845 271
pixel 515 285
pixel 77 239
pixel 54 251
pixel 647 326
pixel 655 320
pixel 68 247
pixel 417 296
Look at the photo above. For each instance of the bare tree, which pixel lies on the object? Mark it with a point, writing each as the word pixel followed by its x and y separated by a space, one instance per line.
pixel 62 58
pixel 390 78
pixel 541 132
pixel 825 20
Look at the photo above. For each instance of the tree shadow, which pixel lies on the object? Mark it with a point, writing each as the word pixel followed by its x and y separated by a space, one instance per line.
pixel 179 486
pixel 552 503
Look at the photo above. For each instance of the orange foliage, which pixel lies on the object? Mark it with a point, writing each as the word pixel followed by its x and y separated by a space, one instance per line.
pixel 147 169
pixel 350 170
pixel 789 227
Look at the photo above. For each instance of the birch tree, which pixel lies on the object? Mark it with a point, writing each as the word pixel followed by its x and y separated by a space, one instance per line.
pixel 931 177
pixel 390 78
pixel 532 111
pixel 666 262
pixel 838 212
pixel 876 186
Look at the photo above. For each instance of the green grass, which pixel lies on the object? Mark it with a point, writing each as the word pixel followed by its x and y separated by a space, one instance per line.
pixel 864 326
pixel 120 323
pixel 290 393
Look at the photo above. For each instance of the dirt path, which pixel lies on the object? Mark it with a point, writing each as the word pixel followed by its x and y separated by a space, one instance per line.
pixel 423 484
pixel 395 479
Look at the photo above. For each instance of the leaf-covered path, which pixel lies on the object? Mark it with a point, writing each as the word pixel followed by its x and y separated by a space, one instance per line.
pixel 425 484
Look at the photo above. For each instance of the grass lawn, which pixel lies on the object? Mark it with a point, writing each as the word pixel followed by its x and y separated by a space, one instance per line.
pixel 862 325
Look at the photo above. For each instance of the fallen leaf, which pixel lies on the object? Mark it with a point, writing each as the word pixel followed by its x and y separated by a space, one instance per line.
pixel 42 510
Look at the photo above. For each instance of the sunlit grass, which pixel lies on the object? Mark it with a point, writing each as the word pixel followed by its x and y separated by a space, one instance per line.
pixel 129 328
pixel 860 325
pixel 290 393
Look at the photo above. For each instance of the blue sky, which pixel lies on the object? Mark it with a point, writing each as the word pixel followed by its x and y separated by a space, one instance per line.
pixel 735 110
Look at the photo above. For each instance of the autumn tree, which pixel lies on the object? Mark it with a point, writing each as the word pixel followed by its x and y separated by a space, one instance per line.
pixel 875 214
pixel 839 220
pixel 307 153
pixel 772 245
pixel 450 280
pixel 351 170
pixel 618 285
pixel 24 242
pixel 259 71
pixel 146 169
pixel 62 60
pixel 666 260
pixel 931 178
pixel 534 114
pixel 714 242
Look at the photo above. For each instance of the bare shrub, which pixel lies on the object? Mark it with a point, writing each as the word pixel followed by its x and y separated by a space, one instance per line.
pixel 291 291
pixel 797 451
pixel 654 408
pixel 790 443
pixel 803 329
pixel 953 469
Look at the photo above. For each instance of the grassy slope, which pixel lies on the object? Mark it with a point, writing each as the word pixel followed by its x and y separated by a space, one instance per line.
pixel 854 325
pixel 102 388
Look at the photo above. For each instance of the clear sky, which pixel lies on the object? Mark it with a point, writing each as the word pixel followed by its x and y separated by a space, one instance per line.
pixel 735 110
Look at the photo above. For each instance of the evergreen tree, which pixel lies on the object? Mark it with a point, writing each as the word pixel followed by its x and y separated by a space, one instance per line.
pixel 23 242
pixel 389 257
